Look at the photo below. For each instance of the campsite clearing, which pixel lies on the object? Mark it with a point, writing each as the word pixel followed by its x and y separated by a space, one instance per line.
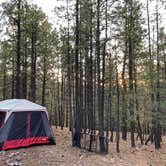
pixel 63 154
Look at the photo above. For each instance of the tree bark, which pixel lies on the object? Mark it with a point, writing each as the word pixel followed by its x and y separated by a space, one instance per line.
pixel 77 132
pixel 157 133
pixel 99 84
pixel 118 107
pixel 4 89
pixel 18 59
pixel 44 80
pixel 25 63
pixel 69 70
pixel 33 68
pixel 124 104
pixel 131 86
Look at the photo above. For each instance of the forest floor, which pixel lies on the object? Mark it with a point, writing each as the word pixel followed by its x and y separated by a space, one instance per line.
pixel 63 154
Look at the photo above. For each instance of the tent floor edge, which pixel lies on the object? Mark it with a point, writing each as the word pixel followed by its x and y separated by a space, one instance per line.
pixel 1 145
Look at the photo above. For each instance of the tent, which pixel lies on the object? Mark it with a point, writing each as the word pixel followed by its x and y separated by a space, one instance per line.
pixel 23 123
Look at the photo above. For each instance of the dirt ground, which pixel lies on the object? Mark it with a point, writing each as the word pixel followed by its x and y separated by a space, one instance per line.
pixel 63 154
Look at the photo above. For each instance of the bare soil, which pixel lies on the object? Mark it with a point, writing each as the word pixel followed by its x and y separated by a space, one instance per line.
pixel 63 154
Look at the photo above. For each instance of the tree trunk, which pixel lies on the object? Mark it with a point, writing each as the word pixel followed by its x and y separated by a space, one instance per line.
pixel 137 107
pixel 13 79
pixel 77 132
pixel 33 68
pixel 157 133
pixel 44 80
pixel 99 82
pixel 118 107
pixel 124 104
pixel 18 59
pixel 24 77
pixel 4 89
pixel 131 86
pixel 69 70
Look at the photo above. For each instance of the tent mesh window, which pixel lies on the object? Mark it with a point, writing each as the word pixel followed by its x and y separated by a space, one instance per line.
pixel 19 126
pixel 37 128
pixel 2 117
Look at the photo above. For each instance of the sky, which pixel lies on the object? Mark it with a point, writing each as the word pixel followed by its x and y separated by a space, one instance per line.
pixel 49 5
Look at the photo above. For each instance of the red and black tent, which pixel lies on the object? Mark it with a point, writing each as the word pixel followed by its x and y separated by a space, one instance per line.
pixel 23 123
